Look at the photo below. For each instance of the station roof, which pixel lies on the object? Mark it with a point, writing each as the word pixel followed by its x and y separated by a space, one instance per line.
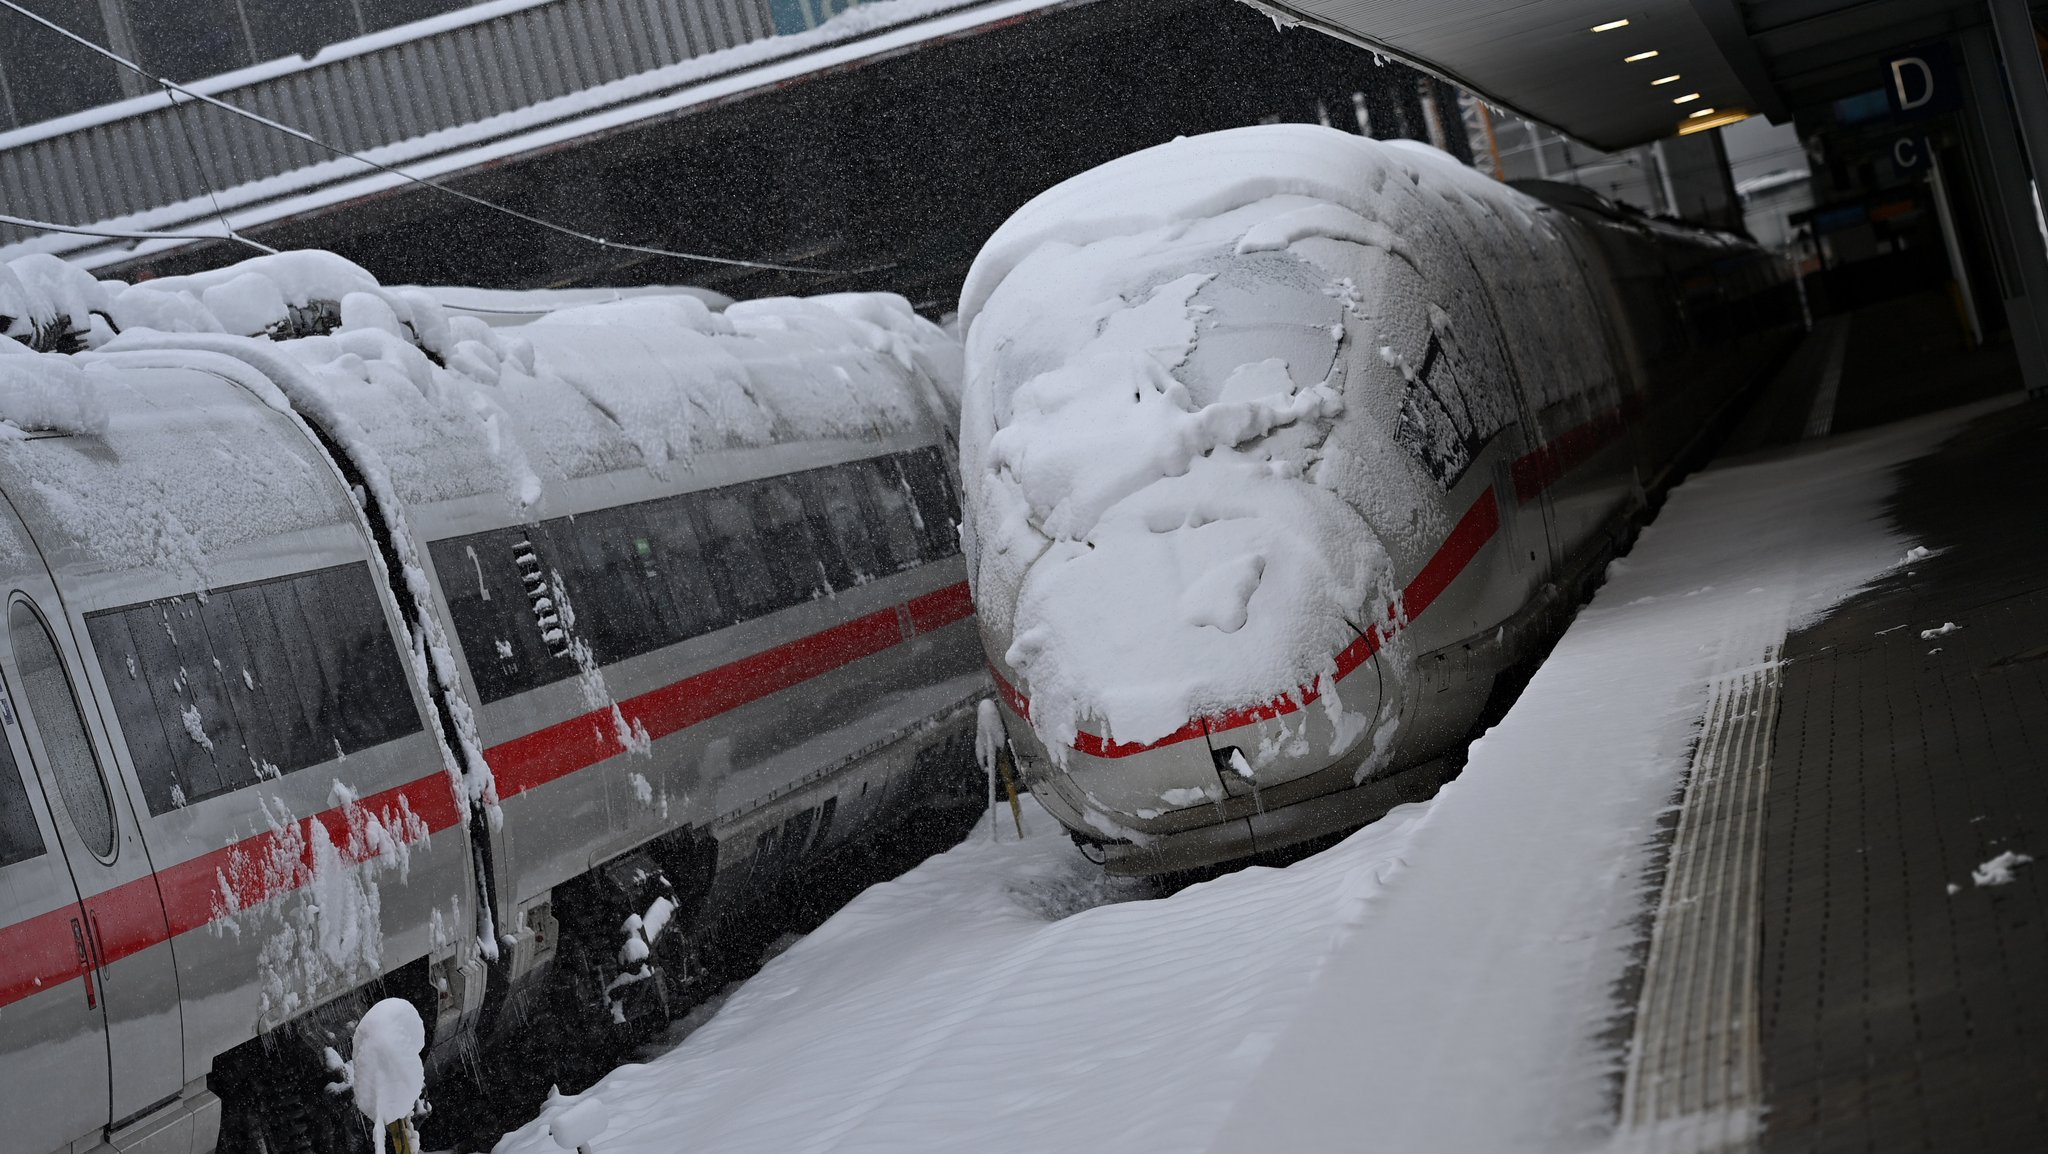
pixel 1592 67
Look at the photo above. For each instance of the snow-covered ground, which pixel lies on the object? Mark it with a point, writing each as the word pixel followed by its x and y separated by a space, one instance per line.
pixel 1440 981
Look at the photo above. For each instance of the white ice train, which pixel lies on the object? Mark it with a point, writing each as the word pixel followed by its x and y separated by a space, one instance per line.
pixel 1282 446
pixel 400 655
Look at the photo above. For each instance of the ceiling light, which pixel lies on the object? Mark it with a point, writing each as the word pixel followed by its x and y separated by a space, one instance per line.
pixel 1610 26
pixel 1700 113
pixel 1687 98
pixel 1639 56
pixel 1663 80
pixel 1712 122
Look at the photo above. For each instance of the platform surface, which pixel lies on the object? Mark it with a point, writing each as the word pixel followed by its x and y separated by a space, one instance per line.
pixel 1904 1007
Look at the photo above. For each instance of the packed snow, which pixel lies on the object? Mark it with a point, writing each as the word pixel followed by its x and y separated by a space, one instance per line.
pixel 1999 870
pixel 45 393
pixel 386 1073
pixel 1442 980
pixel 1198 416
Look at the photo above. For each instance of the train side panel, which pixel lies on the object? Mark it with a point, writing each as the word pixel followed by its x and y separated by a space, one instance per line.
pixel 53 1029
pixel 249 697
pixel 683 659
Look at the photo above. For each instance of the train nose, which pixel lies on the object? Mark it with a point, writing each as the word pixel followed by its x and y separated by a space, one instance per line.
pixel 1215 769
pixel 1123 792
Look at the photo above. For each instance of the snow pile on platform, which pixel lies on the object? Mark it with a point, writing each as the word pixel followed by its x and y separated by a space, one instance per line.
pixel 385 1071
pixel 1195 422
pixel 1443 980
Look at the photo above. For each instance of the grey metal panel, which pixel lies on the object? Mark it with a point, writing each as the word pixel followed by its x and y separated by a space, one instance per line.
pixel 448 78
pixel 654 18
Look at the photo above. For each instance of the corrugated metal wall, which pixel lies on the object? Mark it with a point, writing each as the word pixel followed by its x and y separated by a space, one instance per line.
pixel 454 77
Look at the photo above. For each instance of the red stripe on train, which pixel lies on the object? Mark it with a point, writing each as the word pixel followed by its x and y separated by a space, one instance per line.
pixel 42 952
pixel 546 754
pixel 1547 465
pixel 1473 530
pixel 39 953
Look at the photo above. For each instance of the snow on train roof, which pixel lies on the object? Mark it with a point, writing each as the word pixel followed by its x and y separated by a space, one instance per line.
pixel 456 407
pixel 1159 491
pixel 500 307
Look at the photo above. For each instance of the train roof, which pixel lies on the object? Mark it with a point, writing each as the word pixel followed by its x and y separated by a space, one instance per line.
pixel 449 406
pixel 1209 176
pixel 142 475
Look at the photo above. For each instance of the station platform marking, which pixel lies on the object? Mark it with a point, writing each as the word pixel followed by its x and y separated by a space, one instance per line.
pixel 1835 331
pixel 1694 1073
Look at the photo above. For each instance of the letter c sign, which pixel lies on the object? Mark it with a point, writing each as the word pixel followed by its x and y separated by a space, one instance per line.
pixel 1907 153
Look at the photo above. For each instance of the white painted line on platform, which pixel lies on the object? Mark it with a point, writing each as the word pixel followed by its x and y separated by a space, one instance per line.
pixel 1821 417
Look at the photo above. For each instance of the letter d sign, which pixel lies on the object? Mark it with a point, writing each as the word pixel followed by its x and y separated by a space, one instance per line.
pixel 1912 82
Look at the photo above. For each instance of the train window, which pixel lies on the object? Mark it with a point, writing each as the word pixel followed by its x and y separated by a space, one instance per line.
pixel 736 565
pixel 924 470
pixel 677 552
pixel 214 763
pixel 252 681
pixel 370 698
pixel 53 705
pixel 899 524
pixel 648 575
pixel 488 603
pixel 778 516
pixel 19 838
pixel 616 582
pixel 841 525
pixel 147 646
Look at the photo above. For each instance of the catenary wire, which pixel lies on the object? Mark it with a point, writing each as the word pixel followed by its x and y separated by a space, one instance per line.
pixel 116 234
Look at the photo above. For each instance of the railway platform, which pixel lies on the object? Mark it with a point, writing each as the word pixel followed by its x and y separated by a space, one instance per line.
pixel 1897 948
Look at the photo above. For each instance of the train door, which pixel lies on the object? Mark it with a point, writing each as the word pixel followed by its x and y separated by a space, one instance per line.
pixel 1522 489
pixel 124 932
pixel 53 1031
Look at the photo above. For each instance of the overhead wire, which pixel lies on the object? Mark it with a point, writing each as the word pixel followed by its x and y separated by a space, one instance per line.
pixel 117 234
pixel 176 89
pixel 184 127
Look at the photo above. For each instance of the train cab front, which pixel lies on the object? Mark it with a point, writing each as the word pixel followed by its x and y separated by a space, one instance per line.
pixel 1222 786
pixel 1177 401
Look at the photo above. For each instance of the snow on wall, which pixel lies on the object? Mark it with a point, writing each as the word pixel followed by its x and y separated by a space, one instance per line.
pixel 1212 390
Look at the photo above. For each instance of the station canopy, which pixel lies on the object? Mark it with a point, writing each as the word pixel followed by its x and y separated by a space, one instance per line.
pixel 1617 73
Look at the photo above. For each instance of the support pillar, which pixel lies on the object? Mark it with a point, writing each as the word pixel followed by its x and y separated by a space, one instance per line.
pixel 2003 146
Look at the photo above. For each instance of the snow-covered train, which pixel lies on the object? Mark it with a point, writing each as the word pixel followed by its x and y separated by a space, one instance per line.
pixel 355 647
pixel 1282 447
